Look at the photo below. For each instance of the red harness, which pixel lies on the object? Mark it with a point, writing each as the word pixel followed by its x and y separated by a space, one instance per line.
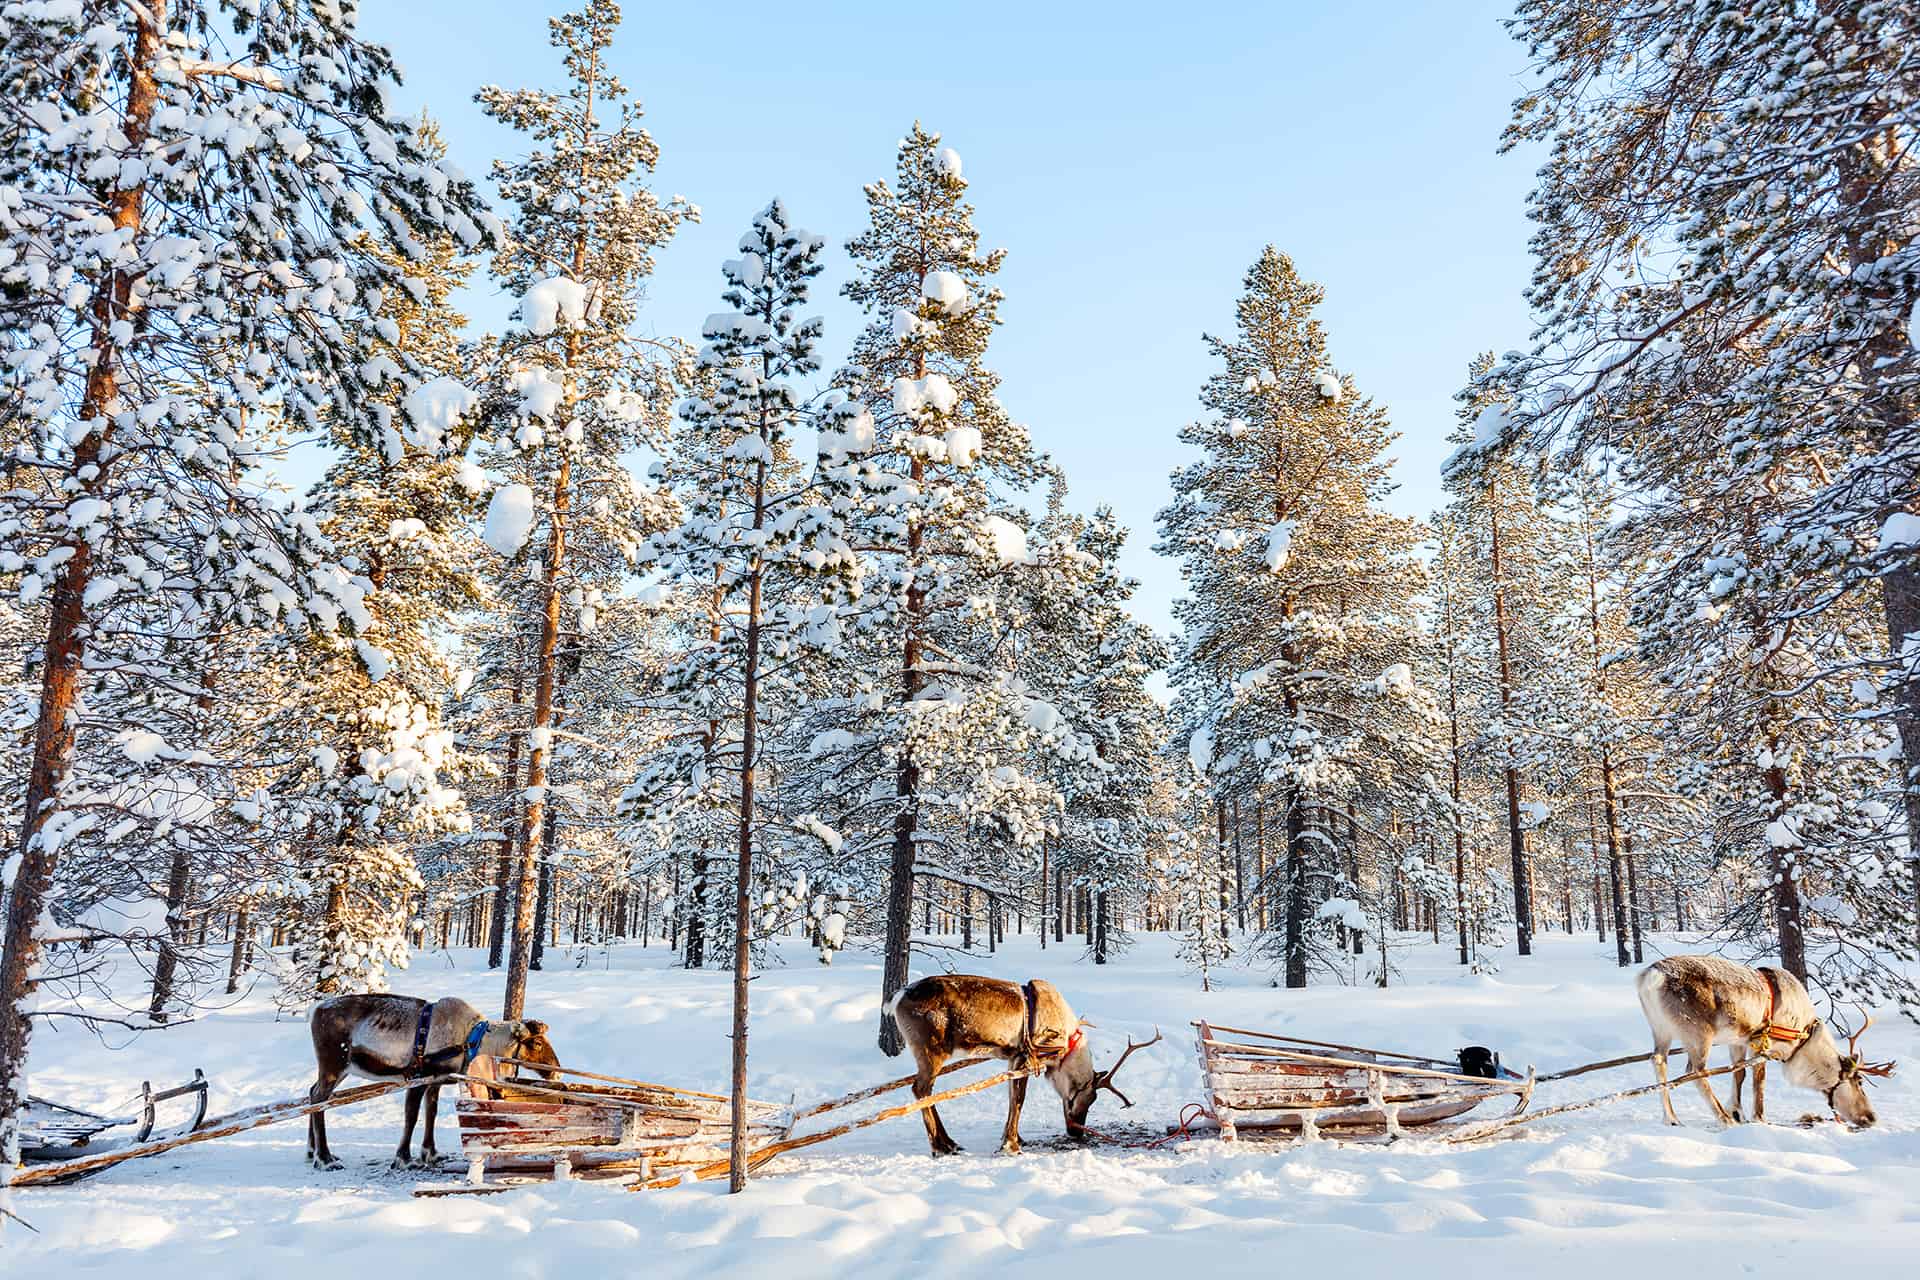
pixel 1777 1034
pixel 1033 1014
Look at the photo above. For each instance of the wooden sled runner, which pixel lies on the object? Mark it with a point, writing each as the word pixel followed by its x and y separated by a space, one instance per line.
pixel 587 1125
pixel 1260 1084
pixel 55 1132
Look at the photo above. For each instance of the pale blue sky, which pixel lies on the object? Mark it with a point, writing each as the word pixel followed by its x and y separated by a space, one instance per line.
pixel 1132 159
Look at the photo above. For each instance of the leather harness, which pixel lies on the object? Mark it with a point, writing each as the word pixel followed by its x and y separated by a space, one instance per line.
pixel 1032 998
pixel 424 1063
pixel 1774 1033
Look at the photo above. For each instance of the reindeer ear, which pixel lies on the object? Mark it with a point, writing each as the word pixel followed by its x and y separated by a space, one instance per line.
pixel 536 1028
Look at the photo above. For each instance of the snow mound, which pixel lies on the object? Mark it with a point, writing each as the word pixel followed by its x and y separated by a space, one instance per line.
pixel 963 446
pixel 946 163
pixel 1279 545
pixel 435 408
pixel 1901 529
pixel 1007 540
pixel 553 303
pixel 947 290
pixel 539 391
pixel 509 519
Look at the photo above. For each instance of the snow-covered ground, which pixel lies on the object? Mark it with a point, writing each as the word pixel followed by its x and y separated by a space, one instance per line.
pixel 1597 1193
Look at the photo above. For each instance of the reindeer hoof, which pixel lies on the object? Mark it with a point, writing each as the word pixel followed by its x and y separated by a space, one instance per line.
pixel 947 1149
pixel 1009 1148
pixel 330 1164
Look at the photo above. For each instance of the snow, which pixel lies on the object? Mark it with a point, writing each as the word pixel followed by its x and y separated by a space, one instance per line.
pixel 1279 545
pixel 540 392
pixel 962 446
pixel 1586 1196
pixel 948 291
pixel 1007 540
pixel 946 163
pixel 509 519
pixel 1328 385
pixel 142 746
pixel 1901 529
pixel 933 393
pixel 435 409
pixel 553 303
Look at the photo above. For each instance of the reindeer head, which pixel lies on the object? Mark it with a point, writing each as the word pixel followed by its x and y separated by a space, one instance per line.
pixel 1847 1095
pixel 1078 1083
pixel 531 1047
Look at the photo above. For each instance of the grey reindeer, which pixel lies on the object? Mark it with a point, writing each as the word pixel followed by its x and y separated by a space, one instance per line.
pixel 1762 1015
pixel 383 1037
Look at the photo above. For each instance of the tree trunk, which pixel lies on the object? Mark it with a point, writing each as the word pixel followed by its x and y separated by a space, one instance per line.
pixel 743 874
pixel 509 829
pixel 906 791
pixel 543 905
pixel 1296 949
pixel 167 964
pixel 1516 839
pixel 242 938
pixel 63 656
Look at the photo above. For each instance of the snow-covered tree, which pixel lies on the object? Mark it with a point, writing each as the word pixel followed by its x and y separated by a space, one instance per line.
pixel 925 748
pixel 771 542
pixel 573 388
pixel 1294 666
pixel 204 215
pixel 1727 269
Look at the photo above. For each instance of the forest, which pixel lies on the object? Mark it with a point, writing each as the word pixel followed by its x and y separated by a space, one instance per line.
pixel 764 645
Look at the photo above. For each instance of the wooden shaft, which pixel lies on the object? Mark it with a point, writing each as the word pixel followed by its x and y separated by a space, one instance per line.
pixel 1322 1044
pixel 719 1168
pixel 594 1075
pixel 219 1127
pixel 1507 1123
pixel 1629 1060
pixel 861 1095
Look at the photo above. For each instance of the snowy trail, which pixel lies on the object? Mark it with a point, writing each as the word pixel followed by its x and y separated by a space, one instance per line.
pixel 1585 1194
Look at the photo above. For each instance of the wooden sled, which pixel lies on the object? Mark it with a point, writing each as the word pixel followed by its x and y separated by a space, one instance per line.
pixel 1265 1085
pixel 587 1125
pixel 54 1132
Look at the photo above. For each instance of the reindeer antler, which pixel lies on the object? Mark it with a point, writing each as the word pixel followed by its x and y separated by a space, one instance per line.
pixel 1860 1065
pixel 1853 1040
pixel 1104 1079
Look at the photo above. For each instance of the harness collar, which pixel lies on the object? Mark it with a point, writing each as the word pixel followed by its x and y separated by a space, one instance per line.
pixel 471 1049
pixel 1032 998
pixel 418 1065
pixel 1774 1032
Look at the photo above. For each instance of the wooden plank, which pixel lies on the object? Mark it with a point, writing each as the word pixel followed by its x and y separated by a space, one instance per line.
pixel 1326 1044
pixel 1502 1085
pixel 218 1127
pixel 861 1095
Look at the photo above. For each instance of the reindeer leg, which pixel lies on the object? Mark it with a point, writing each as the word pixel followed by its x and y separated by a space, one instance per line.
pixel 1660 1048
pixel 404 1156
pixel 1760 1089
pixel 1738 1053
pixel 1696 1061
pixel 430 1153
pixel 318 1153
pixel 938 1139
pixel 1016 1098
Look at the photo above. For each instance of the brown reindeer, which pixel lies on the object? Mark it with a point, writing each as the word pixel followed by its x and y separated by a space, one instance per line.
pixel 1031 1027
pixel 384 1036
pixel 1763 1014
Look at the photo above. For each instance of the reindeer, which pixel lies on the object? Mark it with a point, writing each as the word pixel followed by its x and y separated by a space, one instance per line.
pixel 1701 1001
pixel 383 1036
pixel 1031 1027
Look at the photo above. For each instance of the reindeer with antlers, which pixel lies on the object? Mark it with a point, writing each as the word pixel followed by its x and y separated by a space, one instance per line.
pixel 1032 1027
pixel 1763 1014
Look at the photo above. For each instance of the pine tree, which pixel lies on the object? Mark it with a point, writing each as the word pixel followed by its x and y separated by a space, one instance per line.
pixel 780 559
pixel 1727 264
pixel 248 181
pixel 930 709
pixel 573 387
pixel 1294 666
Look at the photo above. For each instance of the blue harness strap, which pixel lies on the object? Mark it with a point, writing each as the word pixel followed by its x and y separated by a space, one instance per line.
pixel 474 1037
